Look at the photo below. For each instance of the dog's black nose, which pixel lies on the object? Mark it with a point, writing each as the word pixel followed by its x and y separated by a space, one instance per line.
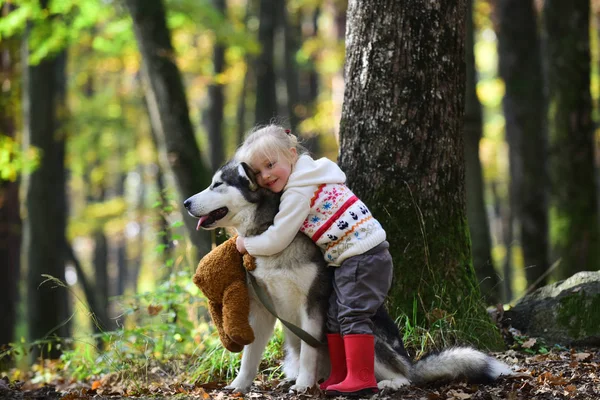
pixel 187 203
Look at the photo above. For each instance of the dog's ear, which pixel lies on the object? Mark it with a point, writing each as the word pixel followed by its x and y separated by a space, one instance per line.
pixel 246 171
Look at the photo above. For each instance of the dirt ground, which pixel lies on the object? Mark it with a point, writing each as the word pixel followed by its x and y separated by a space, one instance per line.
pixel 559 374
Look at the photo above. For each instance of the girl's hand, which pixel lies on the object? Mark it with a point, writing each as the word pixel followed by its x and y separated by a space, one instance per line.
pixel 239 243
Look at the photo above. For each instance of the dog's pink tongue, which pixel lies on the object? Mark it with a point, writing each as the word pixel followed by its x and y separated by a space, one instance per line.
pixel 200 221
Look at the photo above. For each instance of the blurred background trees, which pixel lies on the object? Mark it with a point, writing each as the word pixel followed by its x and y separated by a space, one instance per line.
pixel 112 112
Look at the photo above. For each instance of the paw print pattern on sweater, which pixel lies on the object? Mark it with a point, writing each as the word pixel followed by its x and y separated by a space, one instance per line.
pixel 342 224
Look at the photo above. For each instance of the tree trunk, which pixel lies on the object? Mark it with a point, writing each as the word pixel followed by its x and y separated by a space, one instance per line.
pixel 575 238
pixel 524 111
pixel 309 90
pixel 45 223
pixel 217 100
pixel 479 228
pixel 10 218
pixel 168 108
pixel 100 262
pixel 120 245
pixel 266 97
pixel 240 115
pixel 403 152
pixel 291 31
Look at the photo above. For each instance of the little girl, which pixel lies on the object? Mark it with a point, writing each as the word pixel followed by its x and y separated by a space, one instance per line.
pixel 316 202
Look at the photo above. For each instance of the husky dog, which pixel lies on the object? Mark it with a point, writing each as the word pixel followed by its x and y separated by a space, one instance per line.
pixel 298 282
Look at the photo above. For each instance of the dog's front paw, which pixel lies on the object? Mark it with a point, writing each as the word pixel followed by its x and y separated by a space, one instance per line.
pixel 285 384
pixel 312 391
pixel 302 385
pixel 239 385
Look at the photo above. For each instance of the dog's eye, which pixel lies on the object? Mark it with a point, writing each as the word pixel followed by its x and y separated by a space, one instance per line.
pixel 217 184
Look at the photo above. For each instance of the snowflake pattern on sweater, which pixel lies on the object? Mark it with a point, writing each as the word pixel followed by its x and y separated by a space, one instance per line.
pixel 341 224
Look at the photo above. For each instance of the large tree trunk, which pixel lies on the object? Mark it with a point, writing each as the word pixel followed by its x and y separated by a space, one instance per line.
pixel 402 149
pixel 10 218
pixel 524 111
pixel 266 97
pixel 217 100
pixel 168 108
pixel 45 222
pixel 573 196
pixel 476 213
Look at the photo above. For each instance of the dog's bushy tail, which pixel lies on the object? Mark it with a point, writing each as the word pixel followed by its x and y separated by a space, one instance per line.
pixel 458 363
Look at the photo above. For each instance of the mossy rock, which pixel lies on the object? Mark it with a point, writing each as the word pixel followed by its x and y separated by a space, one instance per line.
pixel 566 312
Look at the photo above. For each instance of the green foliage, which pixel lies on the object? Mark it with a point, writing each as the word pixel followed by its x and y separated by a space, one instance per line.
pixel 160 330
pixel 442 329
pixel 533 345
pixel 13 160
pixel 166 329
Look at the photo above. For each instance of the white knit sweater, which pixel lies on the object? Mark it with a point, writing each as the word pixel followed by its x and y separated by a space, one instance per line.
pixel 316 202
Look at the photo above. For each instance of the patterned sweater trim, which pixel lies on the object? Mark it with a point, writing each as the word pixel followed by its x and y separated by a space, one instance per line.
pixel 317 193
pixel 334 218
pixel 362 221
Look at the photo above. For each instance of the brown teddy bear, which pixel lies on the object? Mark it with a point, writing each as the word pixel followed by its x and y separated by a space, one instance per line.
pixel 221 277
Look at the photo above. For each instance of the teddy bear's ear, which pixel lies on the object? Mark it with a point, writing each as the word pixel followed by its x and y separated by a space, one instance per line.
pixel 246 172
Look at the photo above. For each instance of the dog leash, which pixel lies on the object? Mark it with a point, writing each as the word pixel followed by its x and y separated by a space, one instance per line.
pixel 296 330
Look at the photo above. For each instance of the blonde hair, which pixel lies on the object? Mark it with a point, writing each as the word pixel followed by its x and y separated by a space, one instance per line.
pixel 272 142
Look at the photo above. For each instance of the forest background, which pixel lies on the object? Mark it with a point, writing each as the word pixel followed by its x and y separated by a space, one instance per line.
pixel 109 285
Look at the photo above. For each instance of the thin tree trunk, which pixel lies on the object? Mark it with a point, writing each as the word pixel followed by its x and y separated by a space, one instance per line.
pixel 217 100
pixel 507 221
pixel 168 108
pixel 337 81
pixel 45 224
pixel 240 115
pixel 266 97
pixel 573 196
pixel 246 85
pixel 309 91
pixel 524 110
pixel 291 31
pixel 402 150
pixel 120 247
pixel 100 263
pixel 86 285
pixel 476 213
pixel 136 262
pixel 10 218
pixel 503 218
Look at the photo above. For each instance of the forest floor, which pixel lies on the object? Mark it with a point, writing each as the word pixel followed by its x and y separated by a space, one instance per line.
pixel 559 374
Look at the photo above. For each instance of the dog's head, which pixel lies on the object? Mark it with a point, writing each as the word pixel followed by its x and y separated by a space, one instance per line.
pixel 229 200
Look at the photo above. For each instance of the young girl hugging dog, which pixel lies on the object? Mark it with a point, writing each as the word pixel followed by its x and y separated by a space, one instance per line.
pixel 316 202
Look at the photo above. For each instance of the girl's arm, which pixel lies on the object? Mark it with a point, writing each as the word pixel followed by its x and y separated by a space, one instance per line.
pixel 293 210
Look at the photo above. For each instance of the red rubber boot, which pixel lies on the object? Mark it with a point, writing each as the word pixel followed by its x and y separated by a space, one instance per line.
pixel 337 356
pixel 360 361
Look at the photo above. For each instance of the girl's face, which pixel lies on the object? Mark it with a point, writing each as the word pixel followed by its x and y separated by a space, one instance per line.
pixel 273 174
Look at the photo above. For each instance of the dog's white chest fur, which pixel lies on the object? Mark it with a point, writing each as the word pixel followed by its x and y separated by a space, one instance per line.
pixel 286 287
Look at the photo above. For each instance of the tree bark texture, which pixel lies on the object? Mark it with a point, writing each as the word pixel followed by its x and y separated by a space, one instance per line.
pixel 10 217
pixel 266 96
pixel 574 207
pixel 479 227
pixel 403 152
pixel 45 199
pixel 167 104
pixel 525 113
pixel 217 101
